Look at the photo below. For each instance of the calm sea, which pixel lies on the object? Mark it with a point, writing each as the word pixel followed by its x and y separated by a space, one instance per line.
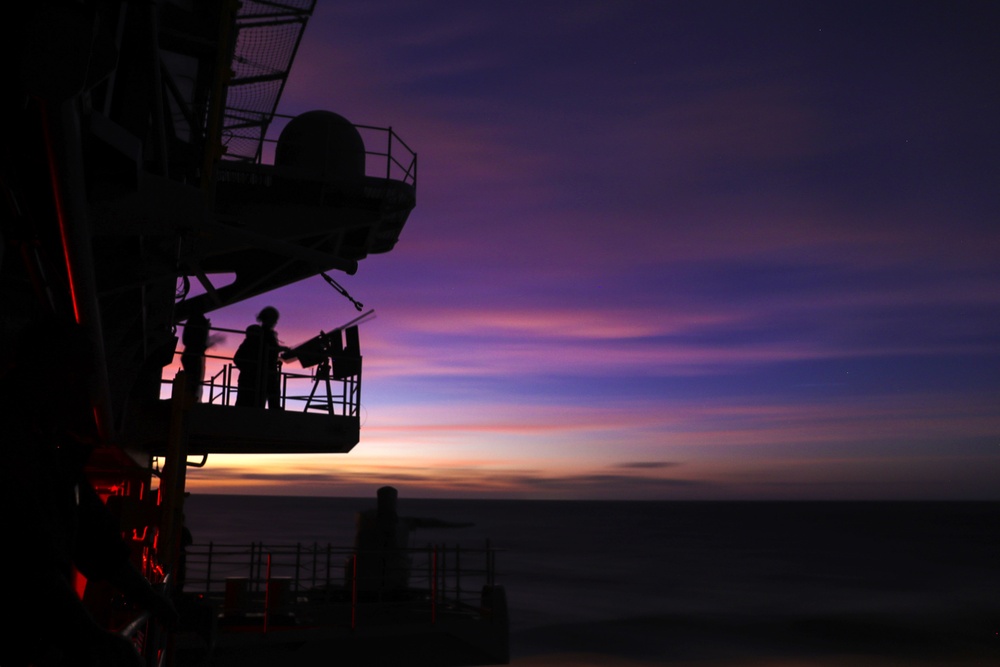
pixel 668 583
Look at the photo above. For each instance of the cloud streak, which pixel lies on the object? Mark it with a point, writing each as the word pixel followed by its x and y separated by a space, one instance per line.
pixel 663 254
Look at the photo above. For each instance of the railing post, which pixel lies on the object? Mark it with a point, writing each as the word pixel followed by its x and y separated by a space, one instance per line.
pixel 284 389
pixel 328 547
pixel 354 591
pixel 430 568
pixel 489 563
pixel 298 564
pixel 253 564
pixel 208 569
pixel 458 573
pixel 388 157
pixel 434 585
pixel 263 563
pixel 315 557
pixel 443 593
pixel 267 593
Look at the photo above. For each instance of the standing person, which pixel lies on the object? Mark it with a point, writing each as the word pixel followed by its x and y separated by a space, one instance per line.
pixel 259 383
pixel 382 543
pixel 196 341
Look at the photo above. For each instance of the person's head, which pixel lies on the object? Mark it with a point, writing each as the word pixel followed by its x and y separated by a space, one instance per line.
pixel 387 501
pixel 268 317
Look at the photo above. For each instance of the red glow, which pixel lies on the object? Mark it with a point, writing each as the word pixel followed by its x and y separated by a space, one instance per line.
pixel 79 583
pixel 57 198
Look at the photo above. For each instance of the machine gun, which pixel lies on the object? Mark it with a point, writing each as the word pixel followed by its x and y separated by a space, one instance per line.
pixel 338 350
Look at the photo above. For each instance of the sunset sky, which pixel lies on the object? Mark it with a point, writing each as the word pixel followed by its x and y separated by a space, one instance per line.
pixel 691 250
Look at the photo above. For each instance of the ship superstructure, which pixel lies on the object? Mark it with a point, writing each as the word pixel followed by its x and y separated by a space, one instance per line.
pixel 149 179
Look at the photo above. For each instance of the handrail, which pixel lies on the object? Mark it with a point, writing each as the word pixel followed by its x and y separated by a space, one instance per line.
pixel 338 394
pixel 396 152
pixel 258 580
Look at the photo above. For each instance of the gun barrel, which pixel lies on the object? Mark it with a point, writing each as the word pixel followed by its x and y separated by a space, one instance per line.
pixel 325 344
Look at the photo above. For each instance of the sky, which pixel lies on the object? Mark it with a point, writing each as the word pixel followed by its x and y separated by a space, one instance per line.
pixel 665 250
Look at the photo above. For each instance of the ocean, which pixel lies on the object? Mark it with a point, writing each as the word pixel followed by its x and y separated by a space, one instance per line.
pixel 635 584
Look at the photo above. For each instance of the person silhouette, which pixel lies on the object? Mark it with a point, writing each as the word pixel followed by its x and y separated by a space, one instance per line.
pixel 382 543
pixel 259 383
pixel 196 341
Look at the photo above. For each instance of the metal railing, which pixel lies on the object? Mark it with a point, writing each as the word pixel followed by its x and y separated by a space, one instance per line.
pixel 319 388
pixel 386 154
pixel 401 165
pixel 269 584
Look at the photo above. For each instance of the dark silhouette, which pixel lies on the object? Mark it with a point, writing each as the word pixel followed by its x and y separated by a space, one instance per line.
pixel 257 359
pixel 196 341
pixel 382 542
pixel 54 520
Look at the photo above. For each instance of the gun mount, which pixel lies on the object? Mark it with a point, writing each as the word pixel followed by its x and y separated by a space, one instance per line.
pixel 338 348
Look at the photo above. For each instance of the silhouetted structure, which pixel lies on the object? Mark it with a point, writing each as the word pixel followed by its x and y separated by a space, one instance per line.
pixel 382 543
pixel 54 520
pixel 133 167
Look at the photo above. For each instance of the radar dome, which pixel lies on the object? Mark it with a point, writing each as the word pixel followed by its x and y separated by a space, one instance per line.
pixel 324 143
